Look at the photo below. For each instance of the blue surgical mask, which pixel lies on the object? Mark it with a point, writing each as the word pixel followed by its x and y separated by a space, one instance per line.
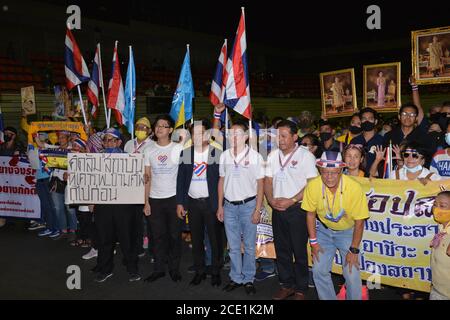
pixel 447 138
pixel 414 169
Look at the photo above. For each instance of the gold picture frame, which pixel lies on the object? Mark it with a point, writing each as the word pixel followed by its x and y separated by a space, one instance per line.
pixel 338 98
pixel 382 92
pixel 430 57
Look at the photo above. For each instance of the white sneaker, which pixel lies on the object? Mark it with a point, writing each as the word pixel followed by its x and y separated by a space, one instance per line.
pixel 91 254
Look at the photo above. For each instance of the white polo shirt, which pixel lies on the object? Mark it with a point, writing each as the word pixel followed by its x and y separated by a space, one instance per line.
pixel 241 173
pixel 299 166
pixel 132 146
pixel 164 169
pixel 199 184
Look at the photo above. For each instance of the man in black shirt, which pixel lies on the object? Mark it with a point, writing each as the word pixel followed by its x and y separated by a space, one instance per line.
pixel 327 137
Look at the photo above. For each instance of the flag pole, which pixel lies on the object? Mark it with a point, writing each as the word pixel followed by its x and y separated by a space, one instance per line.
pixel 192 119
pixel 131 96
pixel 82 105
pixel 391 162
pixel 249 120
pixel 100 71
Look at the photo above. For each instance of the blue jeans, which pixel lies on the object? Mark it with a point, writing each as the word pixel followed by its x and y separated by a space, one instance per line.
pixel 330 241
pixel 66 216
pixel 48 215
pixel 237 220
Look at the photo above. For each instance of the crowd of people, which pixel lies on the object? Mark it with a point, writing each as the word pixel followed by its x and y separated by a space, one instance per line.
pixel 219 177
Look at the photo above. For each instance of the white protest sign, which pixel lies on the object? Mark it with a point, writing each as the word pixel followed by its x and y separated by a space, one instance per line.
pixel 105 178
pixel 18 195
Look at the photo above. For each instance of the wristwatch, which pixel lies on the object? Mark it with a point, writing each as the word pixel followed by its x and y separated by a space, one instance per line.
pixel 354 250
pixel 294 200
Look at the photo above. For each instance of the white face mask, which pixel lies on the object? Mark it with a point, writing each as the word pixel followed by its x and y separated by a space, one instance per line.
pixel 414 169
pixel 447 138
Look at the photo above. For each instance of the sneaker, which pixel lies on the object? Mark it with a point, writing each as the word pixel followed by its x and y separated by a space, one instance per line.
pixel 61 235
pixel 36 226
pixel 142 254
pixel 54 234
pixel 134 277
pixel 262 275
pixel 101 277
pixel 91 254
pixel 45 233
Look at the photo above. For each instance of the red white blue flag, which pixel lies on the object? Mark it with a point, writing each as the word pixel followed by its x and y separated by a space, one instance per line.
pixel 217 85
pixel 94 84
pixel 75 67
pixel 237 90
pixel 116 97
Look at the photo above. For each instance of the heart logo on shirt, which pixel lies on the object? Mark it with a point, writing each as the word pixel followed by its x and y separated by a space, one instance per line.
pixel 199 168
pixel 162 158
pixel 294 163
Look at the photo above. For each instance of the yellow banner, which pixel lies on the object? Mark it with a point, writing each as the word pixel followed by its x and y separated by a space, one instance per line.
pixel 55 126
pixel 395 250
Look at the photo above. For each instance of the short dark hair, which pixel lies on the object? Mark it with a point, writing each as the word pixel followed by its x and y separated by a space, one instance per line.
pixel 368 109
pixel 323 122
pixel 409 105
pixel 165 117
pixel 241 123
pixel 276 119
pixel 205 123
pixel 288 124
pixel 12 129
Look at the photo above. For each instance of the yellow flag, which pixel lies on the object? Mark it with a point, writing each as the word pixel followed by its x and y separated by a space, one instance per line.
pixel 181 117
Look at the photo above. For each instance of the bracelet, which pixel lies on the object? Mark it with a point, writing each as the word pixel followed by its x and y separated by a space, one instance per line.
pixel 216 115
pixel 415 87
pixel 313 241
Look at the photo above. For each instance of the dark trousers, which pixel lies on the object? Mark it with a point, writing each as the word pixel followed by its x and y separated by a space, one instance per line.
pixel 85 225
pixel 201 216
pixel 166 229
pixel 138 228
pixel 48 214
pixel 115 222
pixel 290 238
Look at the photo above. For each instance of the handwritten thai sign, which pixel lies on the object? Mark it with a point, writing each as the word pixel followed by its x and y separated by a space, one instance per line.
pixel 96 178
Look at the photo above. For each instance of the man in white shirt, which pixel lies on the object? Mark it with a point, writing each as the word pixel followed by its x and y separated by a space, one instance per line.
pixel 241 186
pixel 138 145
pixel 287 171
pixel 161 165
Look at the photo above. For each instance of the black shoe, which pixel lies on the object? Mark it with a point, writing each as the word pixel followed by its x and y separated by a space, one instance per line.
pixel 216 280
pixel 197 279
pixel 175 276
pixel 231 286
pixel 249 288
pixel 134 277
pixel 101 277
pixel 154 276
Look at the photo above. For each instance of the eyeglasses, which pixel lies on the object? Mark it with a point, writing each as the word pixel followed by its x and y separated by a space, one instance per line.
pixel 306 144
pixel 163 127
pixel 415 155
pixel 408 114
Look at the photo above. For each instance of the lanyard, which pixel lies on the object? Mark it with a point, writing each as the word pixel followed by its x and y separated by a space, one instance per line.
pixel 326 204
pixel 137 147
pixel 236 164
pixel 287 161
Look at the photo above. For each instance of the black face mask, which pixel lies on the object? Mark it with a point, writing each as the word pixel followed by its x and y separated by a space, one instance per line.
pixel 367 126
pixel 442 121
pixel 325 136
pixel 355 129
pixel 7 138
pixel 435 117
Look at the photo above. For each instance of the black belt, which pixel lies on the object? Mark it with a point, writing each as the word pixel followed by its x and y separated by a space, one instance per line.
pixel 199 199
pixel 236 203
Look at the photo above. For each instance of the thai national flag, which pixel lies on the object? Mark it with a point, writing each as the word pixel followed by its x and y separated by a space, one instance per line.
pixel 94 84
pixel 116 97
pixel 75 67
pixel 388 163
pixel 237 90
pixel 217 84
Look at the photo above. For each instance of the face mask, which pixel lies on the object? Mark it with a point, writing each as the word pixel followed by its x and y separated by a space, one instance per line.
pixel 441 215
pixel 325 136
pixel 447 138
pixel 141 135
pixel 435 117
pixel 415 169
pixel 7 139
pixel 442 121
pixel 355 129
pixel 367 126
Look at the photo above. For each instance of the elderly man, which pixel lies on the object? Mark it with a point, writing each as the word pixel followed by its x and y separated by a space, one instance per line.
pixel 341 206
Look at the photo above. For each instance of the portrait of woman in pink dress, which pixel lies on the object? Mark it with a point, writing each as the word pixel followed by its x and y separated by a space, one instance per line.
pixel 381 84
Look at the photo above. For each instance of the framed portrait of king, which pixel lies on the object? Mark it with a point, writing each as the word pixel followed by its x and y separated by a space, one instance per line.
pixel 338 93
pixel 431 55
pixel 382 87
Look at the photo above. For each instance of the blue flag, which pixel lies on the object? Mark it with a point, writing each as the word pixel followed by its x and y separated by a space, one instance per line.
pixel 181 110
pixel 130 95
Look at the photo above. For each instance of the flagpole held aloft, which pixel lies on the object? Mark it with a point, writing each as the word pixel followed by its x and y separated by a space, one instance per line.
pixel 100 69
pixel 132 97
pixel 82 105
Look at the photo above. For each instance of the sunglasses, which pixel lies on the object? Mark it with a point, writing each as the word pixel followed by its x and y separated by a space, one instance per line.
pixel 415 155
pixel 306 144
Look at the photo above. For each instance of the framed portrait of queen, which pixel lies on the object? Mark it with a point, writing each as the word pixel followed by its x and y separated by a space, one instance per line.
pixel 431 55
pixel 382 87
pixel 338 93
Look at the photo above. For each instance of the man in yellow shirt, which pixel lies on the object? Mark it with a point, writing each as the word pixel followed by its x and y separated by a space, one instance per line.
pixel 341 206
